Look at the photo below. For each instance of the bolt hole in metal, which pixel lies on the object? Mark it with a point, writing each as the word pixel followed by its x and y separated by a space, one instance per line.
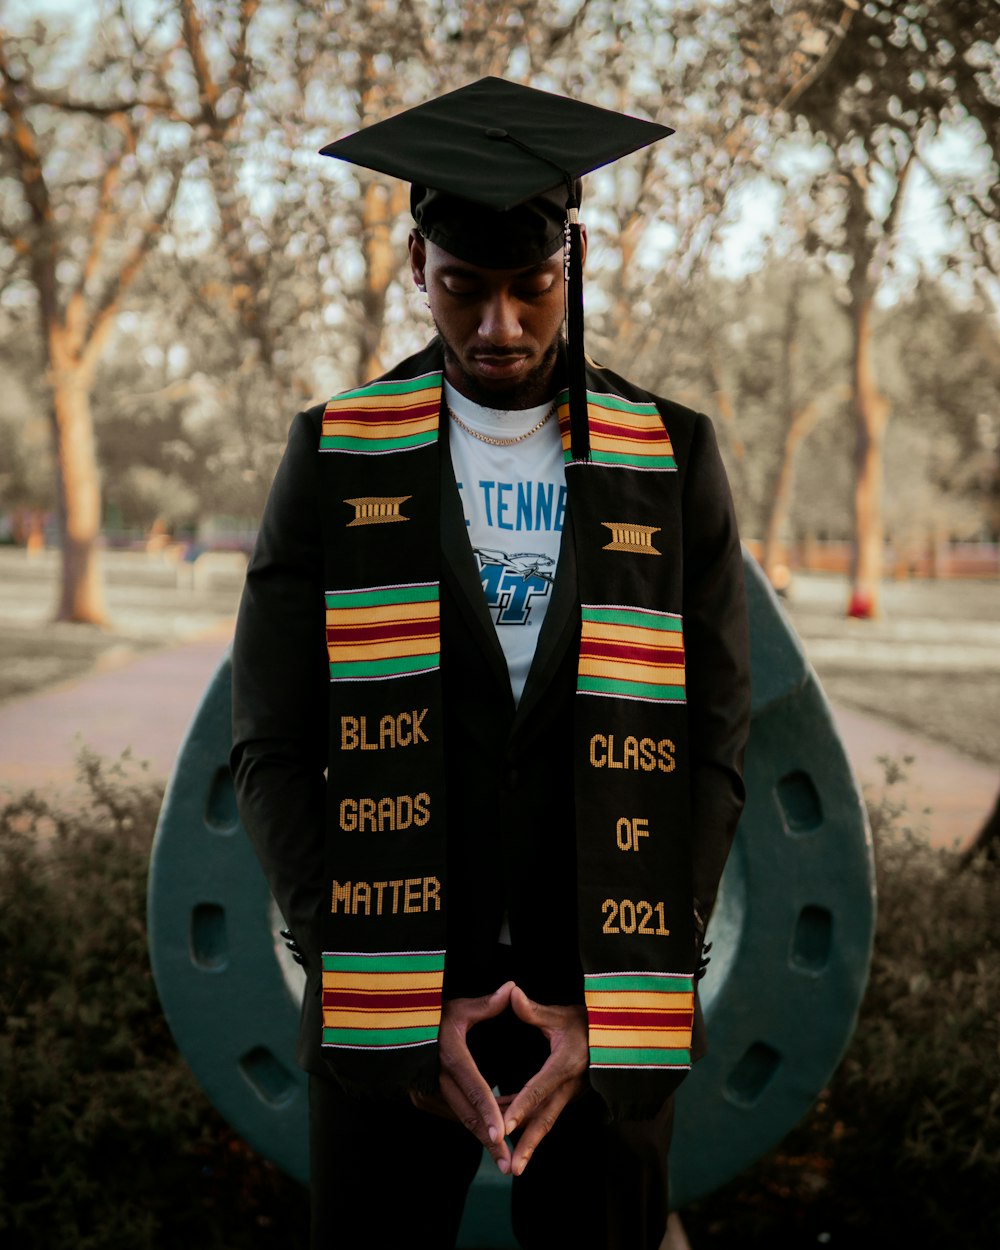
pixel 799 801
pixel 221 815
pixel 812 940
pixel 208 940
pixel 267 1076
pixel 752 1074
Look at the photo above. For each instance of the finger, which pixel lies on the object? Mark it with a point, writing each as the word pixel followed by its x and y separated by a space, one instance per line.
pixel 524 1008
pixel 536 1127
pixel 459 1015
pixel 470 1115
pixel 433 1104
pixel 459 1069
pixel 535 1092
pixel 490 1005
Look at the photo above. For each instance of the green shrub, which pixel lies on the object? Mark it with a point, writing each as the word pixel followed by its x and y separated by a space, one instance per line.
pixel 905 1143
pixel 106 1141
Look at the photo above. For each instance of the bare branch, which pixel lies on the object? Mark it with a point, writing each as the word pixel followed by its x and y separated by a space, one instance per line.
pixel 558 35
pixel 892 217
pixel 799 88
pixel 92 108
pixel 208 91
pixel 104 219
pixel 108 305
pixel 23 145
pixel 241 62
pixel 974 229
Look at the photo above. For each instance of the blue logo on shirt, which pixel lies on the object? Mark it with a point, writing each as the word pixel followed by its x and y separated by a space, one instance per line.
pixel 512 581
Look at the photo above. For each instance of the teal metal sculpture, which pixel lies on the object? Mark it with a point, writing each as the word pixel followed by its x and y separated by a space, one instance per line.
pixel 791 934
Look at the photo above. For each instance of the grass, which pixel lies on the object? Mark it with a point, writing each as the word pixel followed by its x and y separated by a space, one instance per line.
pixel 149 606
pixel 952 703
pixel 954 708
pixel 33 659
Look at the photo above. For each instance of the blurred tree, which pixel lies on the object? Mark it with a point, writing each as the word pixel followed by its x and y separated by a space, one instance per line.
pixel 872 83
pixel 941 364
pixel 25 438
pixel 772 346
pixel 316 249
pixel 87 179
pixel 804 396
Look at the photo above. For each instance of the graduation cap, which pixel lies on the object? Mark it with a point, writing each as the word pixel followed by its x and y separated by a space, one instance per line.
pixel 494 169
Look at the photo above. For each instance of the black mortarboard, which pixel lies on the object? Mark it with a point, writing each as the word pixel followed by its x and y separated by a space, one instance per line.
pixel 495 169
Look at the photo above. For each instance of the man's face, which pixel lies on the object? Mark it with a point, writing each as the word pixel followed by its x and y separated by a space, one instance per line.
pixel 500 327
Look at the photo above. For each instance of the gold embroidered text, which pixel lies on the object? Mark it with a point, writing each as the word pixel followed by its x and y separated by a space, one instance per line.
pixel 402 730
pixel 386 815
pixel 409 895
pixel 628 832
pixel 645 754
pixel 625 916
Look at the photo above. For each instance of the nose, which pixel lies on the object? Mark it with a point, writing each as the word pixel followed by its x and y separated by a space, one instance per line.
pixel 499 323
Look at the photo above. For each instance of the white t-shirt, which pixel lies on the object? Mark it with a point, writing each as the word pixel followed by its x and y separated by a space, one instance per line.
pixel 514 499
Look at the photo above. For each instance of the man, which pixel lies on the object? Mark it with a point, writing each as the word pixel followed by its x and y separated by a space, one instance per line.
pixel 490 702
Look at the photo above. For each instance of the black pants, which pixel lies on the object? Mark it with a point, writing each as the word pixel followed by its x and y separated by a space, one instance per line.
pixel 385 1175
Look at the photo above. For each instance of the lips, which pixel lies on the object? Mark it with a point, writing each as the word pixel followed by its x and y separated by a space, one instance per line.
pixel 500 366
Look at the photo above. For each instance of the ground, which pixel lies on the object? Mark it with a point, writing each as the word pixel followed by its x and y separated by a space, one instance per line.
pixel 151 604
pixel 931 664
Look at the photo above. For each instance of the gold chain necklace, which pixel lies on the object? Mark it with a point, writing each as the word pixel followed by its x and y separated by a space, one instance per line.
pixel 499 442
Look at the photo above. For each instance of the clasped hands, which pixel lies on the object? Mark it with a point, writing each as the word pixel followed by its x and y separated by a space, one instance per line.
pixel 464 1095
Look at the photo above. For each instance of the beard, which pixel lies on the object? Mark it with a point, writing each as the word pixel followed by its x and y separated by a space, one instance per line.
pixel 530 391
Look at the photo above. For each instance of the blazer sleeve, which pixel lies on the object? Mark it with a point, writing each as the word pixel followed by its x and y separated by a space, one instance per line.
pixel 716 644
pixel 280 691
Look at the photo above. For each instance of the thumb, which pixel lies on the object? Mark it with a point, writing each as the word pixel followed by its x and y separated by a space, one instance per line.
pixel 492 1004
pixel 524 1008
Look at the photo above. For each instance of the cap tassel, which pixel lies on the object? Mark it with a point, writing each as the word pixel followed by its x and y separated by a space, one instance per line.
pixel 579 428
pixel 575 360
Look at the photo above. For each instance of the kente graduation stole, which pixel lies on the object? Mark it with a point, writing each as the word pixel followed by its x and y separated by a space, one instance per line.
pixel 383 960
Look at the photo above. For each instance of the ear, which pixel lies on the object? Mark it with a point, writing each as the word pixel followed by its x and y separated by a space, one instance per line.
pixel 583 244
pixel 418 258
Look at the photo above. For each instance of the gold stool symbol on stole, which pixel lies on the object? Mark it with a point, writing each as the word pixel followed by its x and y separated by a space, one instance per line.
pixel 635 538
pixel 377 509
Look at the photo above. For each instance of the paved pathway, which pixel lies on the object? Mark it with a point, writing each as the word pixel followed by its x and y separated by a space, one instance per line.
pixel 948 795
pixel 147 703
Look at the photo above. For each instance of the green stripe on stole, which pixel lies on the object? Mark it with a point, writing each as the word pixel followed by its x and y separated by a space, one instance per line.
pixel 630 773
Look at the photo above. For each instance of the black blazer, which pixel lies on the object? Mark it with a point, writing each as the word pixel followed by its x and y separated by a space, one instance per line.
pixel 509 775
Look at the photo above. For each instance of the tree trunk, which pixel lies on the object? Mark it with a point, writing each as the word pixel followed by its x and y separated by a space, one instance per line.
pixel 781 494
pixel 871 412
pixel 81 596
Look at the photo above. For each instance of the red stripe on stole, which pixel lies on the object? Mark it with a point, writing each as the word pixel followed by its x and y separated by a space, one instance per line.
pixel 614 430
pixel 643 1019
pixel 387 632
pixel 380 416
pixel 600 649
pixel 398 1001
